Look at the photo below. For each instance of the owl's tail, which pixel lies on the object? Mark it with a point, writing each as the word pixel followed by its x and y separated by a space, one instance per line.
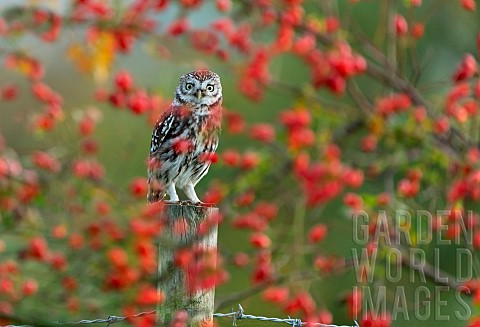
pixel 155 192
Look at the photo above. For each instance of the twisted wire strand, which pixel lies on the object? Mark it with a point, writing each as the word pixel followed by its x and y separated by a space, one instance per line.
pixel 234 315
pixel 109 320
pixel 238 315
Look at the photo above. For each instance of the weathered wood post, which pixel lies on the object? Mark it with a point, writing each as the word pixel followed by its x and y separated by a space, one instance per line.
pixel 181 231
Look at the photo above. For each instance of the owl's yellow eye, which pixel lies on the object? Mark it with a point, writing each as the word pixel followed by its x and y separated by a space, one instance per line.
pixel 210 88
pixel 189 86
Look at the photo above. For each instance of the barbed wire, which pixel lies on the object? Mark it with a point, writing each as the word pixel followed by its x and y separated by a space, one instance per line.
pixel 109 320
pixel 240 314
pixel 234 315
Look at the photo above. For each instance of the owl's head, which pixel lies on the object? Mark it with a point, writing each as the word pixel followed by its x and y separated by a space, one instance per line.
pixel 200 87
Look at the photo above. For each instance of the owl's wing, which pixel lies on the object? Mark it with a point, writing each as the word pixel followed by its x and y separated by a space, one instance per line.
pixel 163 130
pixel 170 125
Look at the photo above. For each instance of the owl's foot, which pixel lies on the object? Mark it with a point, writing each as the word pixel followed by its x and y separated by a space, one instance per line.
pixel 190 193
pixel 188 203
pixel 184 203
pixel 172 193
pixel 172 202
pixel 196 204
pixel 205 204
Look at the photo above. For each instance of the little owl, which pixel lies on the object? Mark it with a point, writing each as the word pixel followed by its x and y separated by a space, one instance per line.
pixel 185 137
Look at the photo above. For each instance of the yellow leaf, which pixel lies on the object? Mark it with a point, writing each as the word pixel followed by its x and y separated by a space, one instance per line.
pixel 103 55
pixel 95 58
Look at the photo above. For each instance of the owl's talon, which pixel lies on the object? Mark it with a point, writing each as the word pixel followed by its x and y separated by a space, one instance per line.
pixel 206 204
pixel 203 204
pixel 188 203
pixel 196 204
pixel 172 202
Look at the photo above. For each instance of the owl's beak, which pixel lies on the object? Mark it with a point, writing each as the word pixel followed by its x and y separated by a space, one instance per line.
pixel 199 94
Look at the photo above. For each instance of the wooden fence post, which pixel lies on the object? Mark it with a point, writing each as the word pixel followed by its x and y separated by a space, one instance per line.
pixel 172 279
